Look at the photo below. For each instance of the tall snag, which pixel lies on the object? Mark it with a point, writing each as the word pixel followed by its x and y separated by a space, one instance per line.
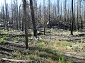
pixel 33 18
pixel 24 19
pixel 72 20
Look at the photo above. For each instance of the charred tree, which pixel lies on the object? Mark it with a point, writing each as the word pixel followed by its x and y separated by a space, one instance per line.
pixel 6 15
pixel 49 14
pixel 44 16
pixel 25 19
pixel 72 19
pixel 33 18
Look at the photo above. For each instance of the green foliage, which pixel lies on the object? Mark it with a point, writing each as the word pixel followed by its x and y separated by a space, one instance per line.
pixel 3 31
pixel 70 61
pixel 75 48
pixel 2 40
pixel 6 37
pixel 41 55
pixel 63 44
pixel 41 51
pixel 61 60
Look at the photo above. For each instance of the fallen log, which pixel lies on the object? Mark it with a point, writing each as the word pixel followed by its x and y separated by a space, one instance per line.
pixel 13 60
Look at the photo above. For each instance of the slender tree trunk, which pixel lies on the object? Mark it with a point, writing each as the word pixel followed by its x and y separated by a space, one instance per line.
pixel 33 18
pixel 6 12
pixel 82 19
pixel 77 18
pixel 49 13
pixel 19 18
pixel 65 10
pixel 17 22
pixel 44 15
pixel 81 24
pixel 72 20
pixel 3 17
pixel 26 31
pixel 12 14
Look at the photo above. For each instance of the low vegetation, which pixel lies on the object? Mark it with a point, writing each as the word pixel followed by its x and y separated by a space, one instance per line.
pixel 44 49
pixel 41 51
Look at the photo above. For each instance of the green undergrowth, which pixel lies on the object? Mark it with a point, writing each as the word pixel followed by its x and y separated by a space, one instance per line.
pixel 3 39
pixel 40 51
pixel 10 32
pixel 40 55
pixel 3 31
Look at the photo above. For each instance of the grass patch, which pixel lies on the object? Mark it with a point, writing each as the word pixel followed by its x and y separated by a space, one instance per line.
pixel 2 40
pixel 63 44
pixel 40 55
pixel 3 31
pixel 41 51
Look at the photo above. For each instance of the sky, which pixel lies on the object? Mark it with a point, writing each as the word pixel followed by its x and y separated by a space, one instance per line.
pixel 52 1
pixel 40 2
pixel 9 1
pixel 2 1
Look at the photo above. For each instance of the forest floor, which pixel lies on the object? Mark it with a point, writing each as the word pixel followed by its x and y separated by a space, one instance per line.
pixel 46 48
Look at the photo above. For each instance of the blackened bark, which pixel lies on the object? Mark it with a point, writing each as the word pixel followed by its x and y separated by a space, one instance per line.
pixel 6 14
pixel 81 24
pixel 26 31
pixel 33 18
pixel 72 20
pixel 44 15
pixel 49 14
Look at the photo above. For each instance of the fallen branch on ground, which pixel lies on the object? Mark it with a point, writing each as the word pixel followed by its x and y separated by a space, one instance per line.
pixel 12 60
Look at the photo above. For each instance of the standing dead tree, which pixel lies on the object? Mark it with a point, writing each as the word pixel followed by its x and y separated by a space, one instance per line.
pixel 44 15
pixel 33 18
pixel 25 19
pixel 72 19
pixel 6 15
pixel 49 13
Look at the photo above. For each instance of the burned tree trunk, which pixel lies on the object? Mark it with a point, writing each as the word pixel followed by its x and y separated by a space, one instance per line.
pixel 72 20
pixel 44 17
pixel 49 13
pixel 24 19
pixel 6 15
pixel 33 18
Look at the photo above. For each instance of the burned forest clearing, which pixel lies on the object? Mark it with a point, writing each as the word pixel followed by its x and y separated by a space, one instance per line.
pixel 42 31
pixel 55 46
